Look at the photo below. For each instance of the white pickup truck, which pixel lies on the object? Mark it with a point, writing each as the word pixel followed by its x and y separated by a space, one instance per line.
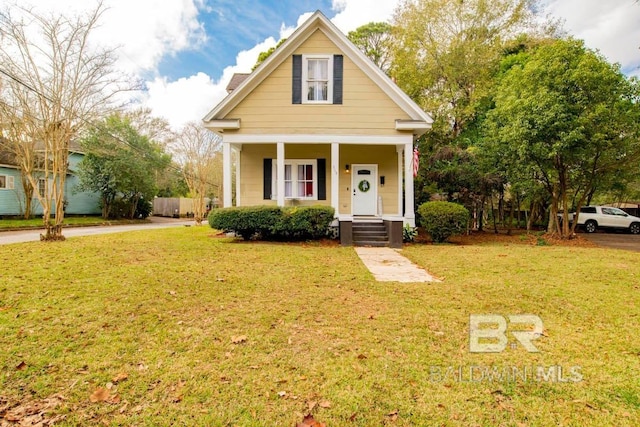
pixel 592 218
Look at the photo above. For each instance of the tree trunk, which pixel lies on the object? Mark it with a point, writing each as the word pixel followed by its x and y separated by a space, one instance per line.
pixel 481 214
pixel 28 196
pixel 510 226
pixel 493 214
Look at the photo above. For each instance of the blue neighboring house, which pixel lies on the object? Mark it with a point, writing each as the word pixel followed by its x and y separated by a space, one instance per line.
pixel 12 198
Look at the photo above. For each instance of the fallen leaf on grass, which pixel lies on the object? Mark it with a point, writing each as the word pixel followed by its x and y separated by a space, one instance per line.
pixel 239 339
pixel 282 393
pixel 120 377
pixel 311 405
pixel 21 366
pixel 309 421
pixel 362 356
pixel 100 395
pixel 325 404
pixel 393 415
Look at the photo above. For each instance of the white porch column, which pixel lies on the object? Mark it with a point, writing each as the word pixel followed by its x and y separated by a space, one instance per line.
pixel 280 173
pixel 226 174
pixel 335 177
pixel 399 150
pixel 238 149
pixel 409 214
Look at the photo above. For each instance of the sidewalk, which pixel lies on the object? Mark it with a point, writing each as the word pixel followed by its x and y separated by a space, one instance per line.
pixel 9 237
pixel 387 265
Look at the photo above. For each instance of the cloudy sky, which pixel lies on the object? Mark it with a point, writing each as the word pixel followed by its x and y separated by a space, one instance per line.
pixel 187 50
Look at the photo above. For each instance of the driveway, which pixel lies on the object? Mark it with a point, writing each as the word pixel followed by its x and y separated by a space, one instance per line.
pixel 8 237
pixel 630 242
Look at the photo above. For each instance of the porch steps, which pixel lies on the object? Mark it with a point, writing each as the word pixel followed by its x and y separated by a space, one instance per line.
pixel 370 233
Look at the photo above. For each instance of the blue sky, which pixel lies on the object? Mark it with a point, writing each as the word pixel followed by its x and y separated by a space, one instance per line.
pixel 185 51
pixel 232 28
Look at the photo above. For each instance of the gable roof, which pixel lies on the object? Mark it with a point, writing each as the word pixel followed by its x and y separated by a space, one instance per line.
pixel 420 120
pixel 236 80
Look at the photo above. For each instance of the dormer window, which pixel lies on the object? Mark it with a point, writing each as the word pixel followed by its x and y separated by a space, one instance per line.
pixel 317 77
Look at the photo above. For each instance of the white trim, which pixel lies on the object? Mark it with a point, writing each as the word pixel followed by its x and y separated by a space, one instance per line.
pixel 226 175
pixel 305 79
pixel 238 150
pixel 409 214
pixel 374 183
pixel 280 173
pixel 399 150
pixel 224 123
pixel 413 125
pixel 335 177
pixel 294 163
pixel 319 139
pixel 319 22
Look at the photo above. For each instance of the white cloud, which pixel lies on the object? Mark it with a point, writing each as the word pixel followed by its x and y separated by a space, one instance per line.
pixel 143 31
pixel 191 98
pixel 354 13
pixel 611 27
pixel 146 32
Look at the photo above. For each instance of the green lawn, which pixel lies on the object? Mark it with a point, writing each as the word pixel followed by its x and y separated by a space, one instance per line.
pixel 68 221
pixel 177 327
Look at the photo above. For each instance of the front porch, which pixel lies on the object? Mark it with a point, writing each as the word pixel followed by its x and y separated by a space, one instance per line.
pixel 359 176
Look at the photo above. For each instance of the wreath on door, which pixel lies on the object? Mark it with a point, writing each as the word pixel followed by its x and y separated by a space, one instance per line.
pixel 364 186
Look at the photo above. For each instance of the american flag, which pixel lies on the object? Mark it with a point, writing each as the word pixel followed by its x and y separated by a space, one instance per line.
pixel 416 161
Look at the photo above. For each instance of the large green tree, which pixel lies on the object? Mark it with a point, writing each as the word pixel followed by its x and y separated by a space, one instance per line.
pixel 374 39
pixel 120 164
pixel 446 53
pixel 568 118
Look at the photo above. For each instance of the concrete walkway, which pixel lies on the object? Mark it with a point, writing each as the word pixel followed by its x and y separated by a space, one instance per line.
pixel 8 237
pixel 387 265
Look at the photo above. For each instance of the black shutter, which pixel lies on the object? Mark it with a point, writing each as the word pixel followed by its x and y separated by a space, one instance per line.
pixel 266 179
pixel 296 85
pixel 322 179
pixel 337 79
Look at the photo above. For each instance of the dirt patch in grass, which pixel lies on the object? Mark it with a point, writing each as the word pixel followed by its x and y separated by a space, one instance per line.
pixel 517 237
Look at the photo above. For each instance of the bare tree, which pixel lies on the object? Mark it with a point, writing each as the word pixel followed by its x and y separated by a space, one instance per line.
pixel 198 151
pixel 17 145
pixel 58 83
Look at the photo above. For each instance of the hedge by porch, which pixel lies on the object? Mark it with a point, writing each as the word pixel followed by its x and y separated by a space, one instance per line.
pixel 443 219
pixel 273 222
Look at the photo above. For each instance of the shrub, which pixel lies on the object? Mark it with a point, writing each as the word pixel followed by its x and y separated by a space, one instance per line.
pixel 443 219
pixel 246 221
pixel 272 222
pixel 304 222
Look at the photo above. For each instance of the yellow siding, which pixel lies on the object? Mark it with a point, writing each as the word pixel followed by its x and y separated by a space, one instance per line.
pixel 386 157
pixel 366 109
pixel 251 170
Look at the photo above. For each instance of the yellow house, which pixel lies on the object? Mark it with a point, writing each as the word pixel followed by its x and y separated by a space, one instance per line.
pixel 318 123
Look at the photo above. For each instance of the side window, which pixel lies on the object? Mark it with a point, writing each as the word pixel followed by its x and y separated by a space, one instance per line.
pixel 588 209
pixel 608 211
pixel 6 182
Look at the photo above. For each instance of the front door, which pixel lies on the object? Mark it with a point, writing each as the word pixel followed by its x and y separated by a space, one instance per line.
pixel 365 189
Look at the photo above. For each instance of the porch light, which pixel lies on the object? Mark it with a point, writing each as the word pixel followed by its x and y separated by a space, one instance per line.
pixel 346 168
